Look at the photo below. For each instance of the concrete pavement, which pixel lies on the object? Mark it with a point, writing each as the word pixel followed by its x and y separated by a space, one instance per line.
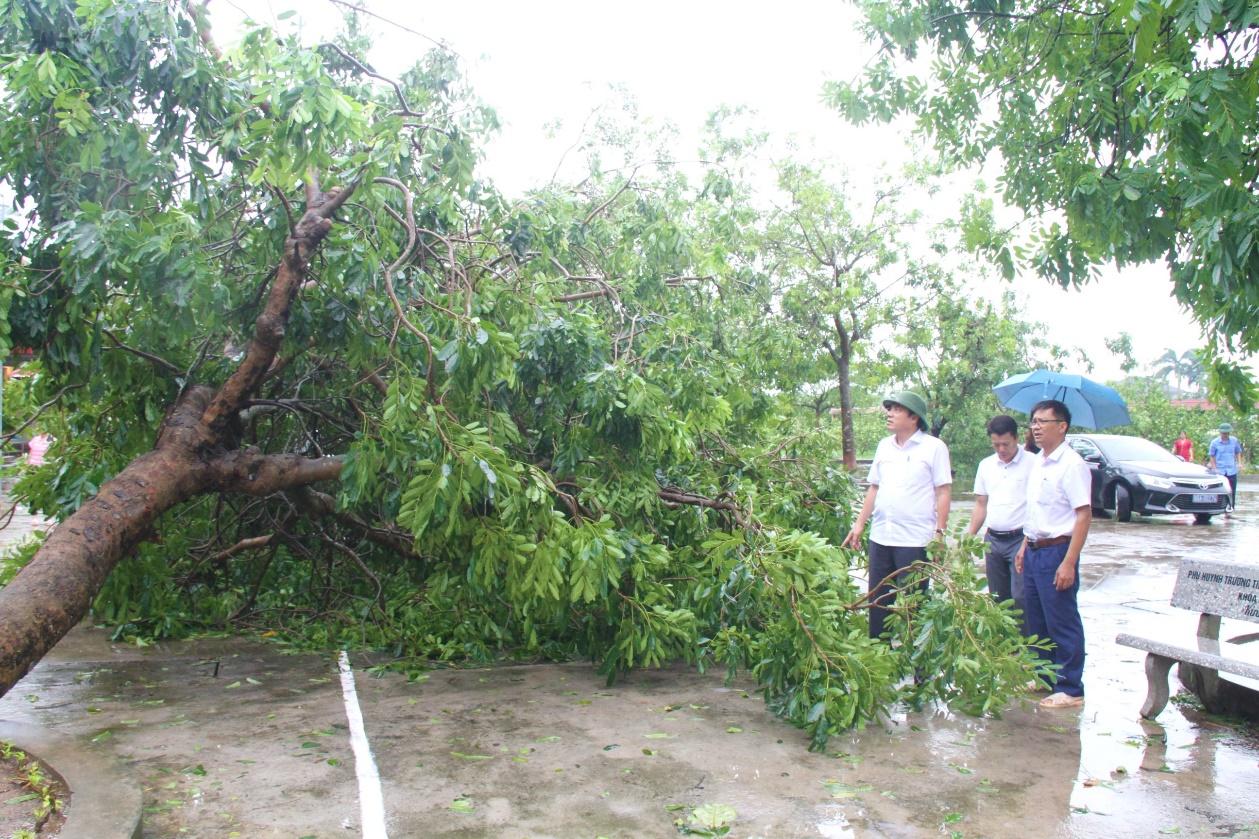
pixel 233 738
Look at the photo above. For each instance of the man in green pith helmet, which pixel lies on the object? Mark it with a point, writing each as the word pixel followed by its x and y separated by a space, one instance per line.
pixel 1226 460
pixel 907 503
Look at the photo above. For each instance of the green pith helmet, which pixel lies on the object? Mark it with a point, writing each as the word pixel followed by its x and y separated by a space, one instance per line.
pixel 1226 428
pixel 912 402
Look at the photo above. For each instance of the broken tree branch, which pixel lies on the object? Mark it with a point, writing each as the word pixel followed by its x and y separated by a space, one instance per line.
pixel 270 325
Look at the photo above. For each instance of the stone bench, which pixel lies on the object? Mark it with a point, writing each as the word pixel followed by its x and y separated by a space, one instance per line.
pixel 1215 589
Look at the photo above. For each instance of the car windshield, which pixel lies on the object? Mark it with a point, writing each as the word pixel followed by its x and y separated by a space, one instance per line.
pixel 1133 448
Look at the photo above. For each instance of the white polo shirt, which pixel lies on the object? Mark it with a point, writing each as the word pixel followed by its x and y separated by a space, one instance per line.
pixel 1057 485
pixel 907 476
pixel 1005 484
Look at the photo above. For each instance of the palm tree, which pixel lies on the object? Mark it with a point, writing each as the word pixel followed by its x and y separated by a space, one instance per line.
pixel 1195 371
pixel 1184 367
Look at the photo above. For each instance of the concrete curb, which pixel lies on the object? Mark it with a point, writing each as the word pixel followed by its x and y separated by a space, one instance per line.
pixel 101 806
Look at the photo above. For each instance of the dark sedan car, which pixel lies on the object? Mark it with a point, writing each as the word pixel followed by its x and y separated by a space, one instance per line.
pixel 1133 475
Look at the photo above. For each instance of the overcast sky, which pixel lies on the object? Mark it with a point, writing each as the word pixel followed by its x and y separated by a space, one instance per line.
pixel 553 60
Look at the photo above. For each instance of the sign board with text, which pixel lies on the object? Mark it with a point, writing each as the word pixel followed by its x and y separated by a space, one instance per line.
pixel 1228 589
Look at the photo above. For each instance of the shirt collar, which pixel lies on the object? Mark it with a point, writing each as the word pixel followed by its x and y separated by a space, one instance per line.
pixel 1018 455
pixel 914 439
pixel 1057 453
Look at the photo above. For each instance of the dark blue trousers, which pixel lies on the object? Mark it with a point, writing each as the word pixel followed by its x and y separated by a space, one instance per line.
pixel 1055 615
pixel 889 567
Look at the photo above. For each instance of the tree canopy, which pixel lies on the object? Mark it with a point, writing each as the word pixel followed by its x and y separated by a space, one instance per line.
pixel 313 375
pixel 1125 128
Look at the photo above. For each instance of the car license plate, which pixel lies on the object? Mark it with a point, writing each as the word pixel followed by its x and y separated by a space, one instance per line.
pixel 1205 499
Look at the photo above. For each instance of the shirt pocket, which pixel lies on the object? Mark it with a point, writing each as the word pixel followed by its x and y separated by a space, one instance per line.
pixel 902 473
pixel 1047 493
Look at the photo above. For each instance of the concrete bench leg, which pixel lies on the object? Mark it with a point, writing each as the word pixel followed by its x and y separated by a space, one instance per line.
pixel 1157 668
pixel 1205 684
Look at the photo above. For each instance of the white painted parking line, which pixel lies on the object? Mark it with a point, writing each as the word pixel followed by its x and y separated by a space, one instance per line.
pixel 369 792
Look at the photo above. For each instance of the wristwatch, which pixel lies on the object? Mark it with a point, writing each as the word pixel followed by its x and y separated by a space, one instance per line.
pixel 940 531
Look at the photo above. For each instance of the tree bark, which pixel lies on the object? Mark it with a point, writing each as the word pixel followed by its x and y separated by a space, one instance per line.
pixel 842 356
pixel 54 592
pixel 194 454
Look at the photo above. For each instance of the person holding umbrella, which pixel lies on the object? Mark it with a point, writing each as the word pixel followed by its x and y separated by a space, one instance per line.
pixel 1001 504
pixel 1059 512
pixel 908 501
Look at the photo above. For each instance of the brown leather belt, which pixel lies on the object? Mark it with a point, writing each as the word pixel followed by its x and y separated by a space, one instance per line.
pixel 1037 544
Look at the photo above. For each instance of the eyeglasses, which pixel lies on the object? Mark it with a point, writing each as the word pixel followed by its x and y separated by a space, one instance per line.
pixel 1036 422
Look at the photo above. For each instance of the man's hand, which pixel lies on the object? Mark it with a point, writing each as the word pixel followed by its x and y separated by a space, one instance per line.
pixel 854 536
pixel 980 513
pixel 859 524
pixel 937 547
pixel 1018 558
pixel 1064 577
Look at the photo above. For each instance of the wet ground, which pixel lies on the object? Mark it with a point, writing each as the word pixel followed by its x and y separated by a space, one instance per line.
pixel 232 738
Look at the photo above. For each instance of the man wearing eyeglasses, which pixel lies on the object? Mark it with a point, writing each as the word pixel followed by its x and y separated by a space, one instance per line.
pixel 1059 512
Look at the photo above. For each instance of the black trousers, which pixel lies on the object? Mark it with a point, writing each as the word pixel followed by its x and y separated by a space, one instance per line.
pixel 887 573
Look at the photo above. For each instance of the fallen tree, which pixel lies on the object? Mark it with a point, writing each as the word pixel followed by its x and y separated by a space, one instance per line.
pixel 193 456
pixel 402 412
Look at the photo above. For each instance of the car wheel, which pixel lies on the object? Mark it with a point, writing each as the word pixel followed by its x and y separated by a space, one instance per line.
pixel 1123 503
pixel 1202 518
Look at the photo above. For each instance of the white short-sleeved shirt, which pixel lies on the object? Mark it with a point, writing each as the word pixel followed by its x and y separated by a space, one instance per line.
pixel 1005 484
pixel 1057 485
pixel 907 476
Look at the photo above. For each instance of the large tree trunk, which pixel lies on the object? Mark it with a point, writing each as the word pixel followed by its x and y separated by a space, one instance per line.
pixel 54 592
pixel 193 455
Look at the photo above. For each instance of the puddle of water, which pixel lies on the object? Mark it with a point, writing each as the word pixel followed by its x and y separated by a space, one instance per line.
pixel 835 826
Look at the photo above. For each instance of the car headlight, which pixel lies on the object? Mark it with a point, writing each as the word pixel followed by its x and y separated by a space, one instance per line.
pixel 1156 482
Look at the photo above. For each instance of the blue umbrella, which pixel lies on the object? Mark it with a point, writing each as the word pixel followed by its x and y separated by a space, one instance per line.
pixel 1092 405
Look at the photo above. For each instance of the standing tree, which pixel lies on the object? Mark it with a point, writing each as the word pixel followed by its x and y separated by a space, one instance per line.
pixel 1129 128
pixel 840 271
pixel 955 349
pixel 319 377
pixel 1182 368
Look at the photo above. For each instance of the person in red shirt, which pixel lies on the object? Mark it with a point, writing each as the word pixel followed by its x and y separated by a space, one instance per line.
pixel 1183 447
